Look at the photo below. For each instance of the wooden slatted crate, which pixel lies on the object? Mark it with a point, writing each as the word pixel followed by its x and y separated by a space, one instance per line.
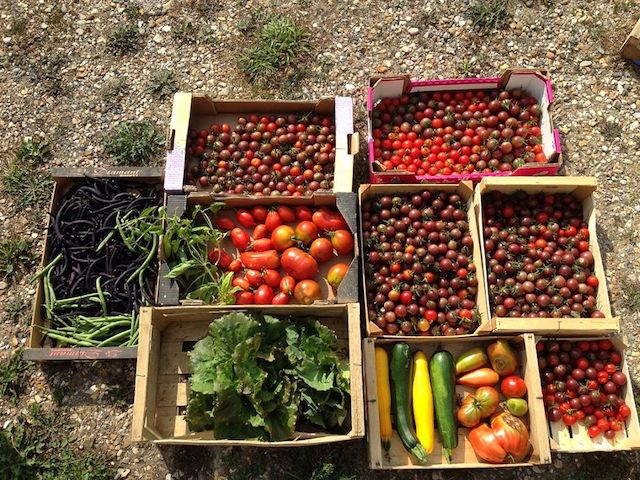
pixel 397 458
pixel 563 438
pixel 465 190
pixel 582 188
pixel 163 371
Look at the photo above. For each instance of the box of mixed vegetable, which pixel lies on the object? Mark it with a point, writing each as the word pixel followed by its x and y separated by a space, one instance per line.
pixel 544 271
pixel 255 250
pixel 99 264
pixel 445 131
pixel 259 147
pixel 459 403
pixel 241 375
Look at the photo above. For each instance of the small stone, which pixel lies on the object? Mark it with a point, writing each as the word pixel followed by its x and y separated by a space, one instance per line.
pixel 551 55
pixel 168 477
pixel 6 40
pixel 166 28
pixel 585 63
pixel 414 31
pixel 158 38
pixel 382 69
pixel 4 285
pixel 224 91
pixel 350 87
pixel 123 472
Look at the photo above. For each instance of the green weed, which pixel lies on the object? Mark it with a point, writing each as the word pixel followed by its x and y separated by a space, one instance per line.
pixel 610 130
pixel 15 254
pixel 27 188
pixel 37 446
pixel 207 7
pixel 489 15
pixel 185 31
pixel 13 372
pixel 114 88
pixel 163 83
pixel 14 310
pixel 631 290
pixel 467 68
pixel 280 45
pixel 134 143
pixel 253 20
pixel 33 150
pixel 124 39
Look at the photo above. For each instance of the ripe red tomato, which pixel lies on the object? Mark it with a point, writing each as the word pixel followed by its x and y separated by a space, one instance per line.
pixel 220 258
pixel 406 297
pixel 594 431
pixel 240 239
pixel 610 368
pixel 592 281
pixel 513 387
pixel 306 232
pixel 245 298
pixel 271 277
pixel 273 220
pixel 321 249
pixel 281 298
pixel 342 242
pixel 569 419
pixel 245 218
pixel 286 214
pixel 264 295
pixel 329 220
pixel 259 213
pixel 235 266
pixel 307 291
pixel 282 238
pixel 298 264
pixel 254 277
pixel 224 223
pixel 431 315
pixel 261 245
pixel 303 213
pixel 287 284
pixel 241 282
pixel 582 363
pixel 261 231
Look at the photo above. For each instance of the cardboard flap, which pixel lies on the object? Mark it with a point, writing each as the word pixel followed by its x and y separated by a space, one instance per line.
pixel 387 87
pixel 179 130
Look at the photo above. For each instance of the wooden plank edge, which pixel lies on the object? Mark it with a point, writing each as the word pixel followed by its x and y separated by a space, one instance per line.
pixel 55 354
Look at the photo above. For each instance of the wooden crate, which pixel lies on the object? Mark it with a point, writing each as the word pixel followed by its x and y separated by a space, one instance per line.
pixel 198 111
pixel 575 438
pixel 631 47
pixel 163 369
pixel 345 202
pixel 581 188
pixel 38 348
pixel 465 190
pixel 397 458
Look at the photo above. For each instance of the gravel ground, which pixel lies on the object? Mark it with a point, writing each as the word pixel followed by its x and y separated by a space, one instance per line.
pixel 60 82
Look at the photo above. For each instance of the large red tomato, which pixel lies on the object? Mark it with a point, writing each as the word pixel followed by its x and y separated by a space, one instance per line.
pixel 298 264
pixel 282 238
pixel 329 220
pixel 307 292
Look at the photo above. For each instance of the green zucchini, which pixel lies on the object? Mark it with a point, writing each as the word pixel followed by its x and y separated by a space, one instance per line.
pixel 400 369
pixel 443 384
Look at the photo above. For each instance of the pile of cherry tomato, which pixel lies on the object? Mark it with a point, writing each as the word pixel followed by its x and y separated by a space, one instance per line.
pixel 460 132
pixel 582 382
pixel 289 155
pixel 279 251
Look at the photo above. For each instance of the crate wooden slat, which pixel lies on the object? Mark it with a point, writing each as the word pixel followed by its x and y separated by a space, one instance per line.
pixel 397 458
pixel 582 189
pixel 574 439
pixel 163 370
pixel 465 190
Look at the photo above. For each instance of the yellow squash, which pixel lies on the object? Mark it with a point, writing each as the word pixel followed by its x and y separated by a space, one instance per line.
pixel 384 396
pixel 422 401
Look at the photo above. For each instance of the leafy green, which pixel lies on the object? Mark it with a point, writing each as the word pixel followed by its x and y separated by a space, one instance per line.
pixel 259 377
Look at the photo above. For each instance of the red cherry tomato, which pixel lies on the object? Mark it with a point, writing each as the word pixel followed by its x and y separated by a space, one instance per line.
pixel 235 266
pixel 431 315
pixel 223 222
pixel 569 420
pixel 594 431
pixel 624 411
pixel 220 257
pixel 254 277
pixel 261 245
pixel 241 282
pixel 610 368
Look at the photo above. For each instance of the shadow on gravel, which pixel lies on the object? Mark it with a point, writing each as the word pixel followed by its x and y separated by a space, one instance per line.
pixel 348 461
pixel 91 383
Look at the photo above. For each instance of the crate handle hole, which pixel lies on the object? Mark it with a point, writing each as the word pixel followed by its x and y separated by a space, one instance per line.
pixel 183 377
pixel 187 346
pixel 182 410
